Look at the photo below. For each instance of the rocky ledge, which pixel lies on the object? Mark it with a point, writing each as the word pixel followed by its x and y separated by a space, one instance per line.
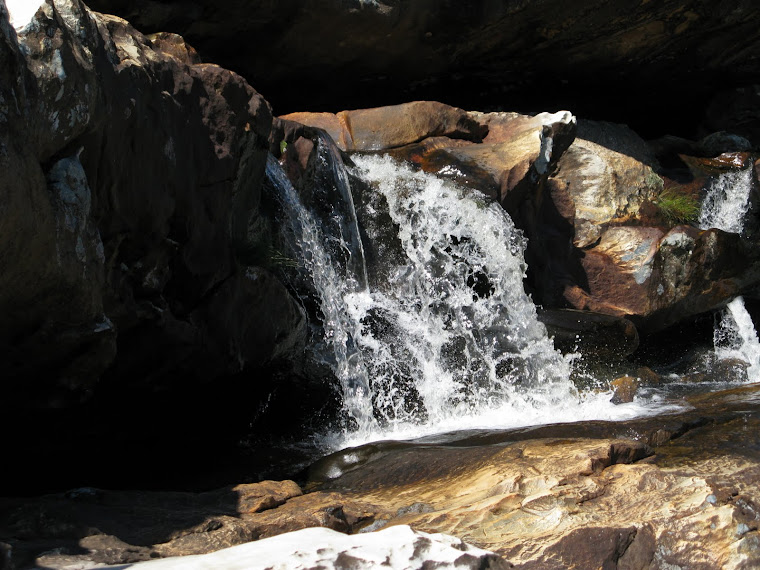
pixel 677 490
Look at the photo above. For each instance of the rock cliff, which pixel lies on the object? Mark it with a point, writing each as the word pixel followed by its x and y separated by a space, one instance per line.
pixel 131 179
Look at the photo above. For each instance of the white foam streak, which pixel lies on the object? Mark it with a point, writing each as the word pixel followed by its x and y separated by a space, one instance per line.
pixel 727 201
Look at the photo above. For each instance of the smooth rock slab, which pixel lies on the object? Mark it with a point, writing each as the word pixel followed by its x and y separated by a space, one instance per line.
pixel 396 547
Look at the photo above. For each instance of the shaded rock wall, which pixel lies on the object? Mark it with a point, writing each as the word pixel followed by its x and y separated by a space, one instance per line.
pixel 647 64
pixel 130 176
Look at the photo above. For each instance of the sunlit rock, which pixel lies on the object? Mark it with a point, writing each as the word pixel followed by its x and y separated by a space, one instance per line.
pixel 606 174
pixel 383 128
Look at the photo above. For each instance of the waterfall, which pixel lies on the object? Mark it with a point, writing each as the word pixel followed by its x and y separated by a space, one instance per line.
pixel 735 337
pixel 447 339
pixel 725 207
pixel 726 202
pixel 323 257
pixel 451 332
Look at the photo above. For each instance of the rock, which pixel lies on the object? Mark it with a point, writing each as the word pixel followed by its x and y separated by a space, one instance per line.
pixel 648 377
pixel 592 334
pixel 399 547
pixel 131 175
pixel 721 163
pixel 519 152
pixel 577 495
pixel 657 279
pixel 723 142
pixel 336 54
pixel 121 527
pixel 624 389
pixel 727 370
pixel 606 175
pixel 384 128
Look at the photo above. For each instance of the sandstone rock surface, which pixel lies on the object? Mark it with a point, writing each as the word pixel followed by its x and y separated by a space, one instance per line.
pixel 673 490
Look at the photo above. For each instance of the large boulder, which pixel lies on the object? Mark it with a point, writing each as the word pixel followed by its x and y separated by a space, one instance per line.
pixel 382 128
pixel 130 176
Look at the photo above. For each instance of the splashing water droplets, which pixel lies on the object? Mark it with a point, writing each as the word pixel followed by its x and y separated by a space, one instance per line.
pixel 725 207
pixel 447 338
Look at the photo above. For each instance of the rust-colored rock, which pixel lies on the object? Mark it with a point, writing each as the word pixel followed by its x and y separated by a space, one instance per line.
pixel 383 128
pixel 624 389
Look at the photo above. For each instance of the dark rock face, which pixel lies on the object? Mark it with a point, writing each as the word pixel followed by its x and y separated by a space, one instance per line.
pixel 131 175
pixel 629 60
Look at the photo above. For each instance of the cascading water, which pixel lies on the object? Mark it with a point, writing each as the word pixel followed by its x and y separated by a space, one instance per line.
pixel 447 339
pixel 725 207
pixel 452 332
pixel 726 202
pixel 735 338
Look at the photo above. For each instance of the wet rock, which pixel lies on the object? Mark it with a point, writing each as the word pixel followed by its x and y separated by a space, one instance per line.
pixel 624 389
pixel 592 334
pixel 648 377
pixel 722 162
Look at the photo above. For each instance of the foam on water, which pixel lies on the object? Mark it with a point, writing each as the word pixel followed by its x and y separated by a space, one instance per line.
pixel 735 338
pixel 450 340
pixel 727 200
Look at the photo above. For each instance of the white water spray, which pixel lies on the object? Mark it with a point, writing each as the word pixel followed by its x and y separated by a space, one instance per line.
pixel 447 339
pixel 725 207
pixel 727 201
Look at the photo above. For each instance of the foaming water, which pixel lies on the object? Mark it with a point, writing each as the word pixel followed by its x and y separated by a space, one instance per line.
pixel 735 338
pixel 517 412
pixel 725 207
pixel 447 340
pixel 727 200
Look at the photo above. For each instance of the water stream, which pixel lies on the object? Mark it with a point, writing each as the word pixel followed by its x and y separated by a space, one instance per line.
pixel 725 207
pixel 447 339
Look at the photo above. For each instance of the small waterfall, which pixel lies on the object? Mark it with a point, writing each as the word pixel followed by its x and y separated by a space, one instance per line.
pixel 324 259
pixel 452 333
pixel 735 337
pixel 725 207
pixel 447 339
pixel 727 200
